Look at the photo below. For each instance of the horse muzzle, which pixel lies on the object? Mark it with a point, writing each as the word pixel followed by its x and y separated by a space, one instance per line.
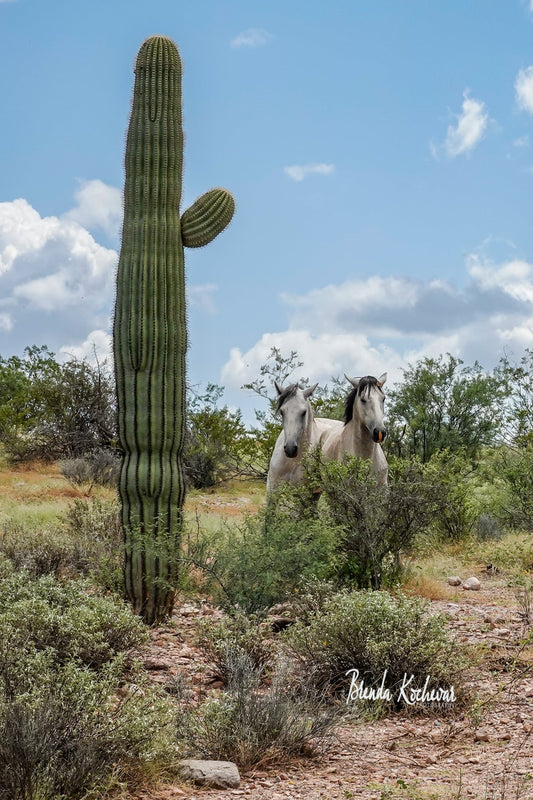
pixel 379 434
pixel 291 450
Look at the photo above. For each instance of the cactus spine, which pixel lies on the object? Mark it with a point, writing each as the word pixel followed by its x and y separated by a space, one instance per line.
pixel 150 327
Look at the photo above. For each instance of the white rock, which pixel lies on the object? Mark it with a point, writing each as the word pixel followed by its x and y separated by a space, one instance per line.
pixel 454 580
pixel 472 583
pixel 220 774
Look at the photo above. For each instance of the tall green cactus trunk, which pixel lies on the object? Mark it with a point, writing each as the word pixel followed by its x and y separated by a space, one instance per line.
pixel 150 327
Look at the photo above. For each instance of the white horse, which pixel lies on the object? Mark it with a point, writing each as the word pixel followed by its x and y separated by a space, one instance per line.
pixel 301 432
pixel 364 429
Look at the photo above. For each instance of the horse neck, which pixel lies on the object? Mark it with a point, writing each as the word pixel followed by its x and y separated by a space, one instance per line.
pixel 358 433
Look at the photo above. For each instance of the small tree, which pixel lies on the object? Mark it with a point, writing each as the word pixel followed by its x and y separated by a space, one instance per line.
pixel 443 405
pixel 218 445
pixel 50 410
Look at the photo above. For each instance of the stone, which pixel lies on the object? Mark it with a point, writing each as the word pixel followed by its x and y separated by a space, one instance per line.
pixel 454 580
pixel 501 632
pixel 472 583
pixel 218 774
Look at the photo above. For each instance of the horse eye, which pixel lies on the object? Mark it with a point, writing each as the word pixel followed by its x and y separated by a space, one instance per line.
pixel 363 400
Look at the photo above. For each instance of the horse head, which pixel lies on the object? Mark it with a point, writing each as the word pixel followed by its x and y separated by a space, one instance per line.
pixel 294 407
pixel 365 403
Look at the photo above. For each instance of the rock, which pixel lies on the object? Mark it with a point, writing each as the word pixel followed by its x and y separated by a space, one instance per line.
pixel 481 736
pixel 219 774
pixel 501 632
pixel 454 580
pixel 472 583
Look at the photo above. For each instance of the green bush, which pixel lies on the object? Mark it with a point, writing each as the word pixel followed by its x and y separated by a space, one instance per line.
pixel 252 725
pixel 64 731
pixel 88 541
pixel 260 561
pixel 376 523
pixel 372 631
pixel 95 529
pixel 515 468
pixel 67 619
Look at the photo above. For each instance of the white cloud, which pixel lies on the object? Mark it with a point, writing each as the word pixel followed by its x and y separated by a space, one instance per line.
pixel 252 37
pixel 98 206
pixel 522 141
pixel 97 347
pixel 367 326
pixel 54 277
pixel 470 128
pixel 201 297
pixel 300 171
pixel 324 355
pixel 524 89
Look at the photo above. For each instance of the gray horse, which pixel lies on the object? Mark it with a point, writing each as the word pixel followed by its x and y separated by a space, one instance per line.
pixel 301 432
pixel 364 429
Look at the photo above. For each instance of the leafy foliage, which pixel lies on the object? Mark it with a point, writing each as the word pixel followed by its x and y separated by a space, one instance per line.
pixel 66 619
pixel 50 410
pixel 376 524
pixel 217 443
pixel 443 405
pixel 260 561
pixel 372 631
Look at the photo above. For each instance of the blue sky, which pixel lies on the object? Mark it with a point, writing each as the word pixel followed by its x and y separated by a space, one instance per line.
pixel 380 155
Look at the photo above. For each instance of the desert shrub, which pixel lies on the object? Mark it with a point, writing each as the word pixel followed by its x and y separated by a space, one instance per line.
pixel 64 731
pixel 100 468
pixel 222 640
pixel 377 524
pixel 488 527
pixel 260 561
pixel 95 529
pixel 372 631
pixel 252 725
pixel 449 479
pixel 37 552
pixel 88 541
pixel 67 618
pixel 515 468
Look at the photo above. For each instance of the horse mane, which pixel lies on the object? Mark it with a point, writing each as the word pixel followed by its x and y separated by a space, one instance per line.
pixel 363 387
pixel 290 391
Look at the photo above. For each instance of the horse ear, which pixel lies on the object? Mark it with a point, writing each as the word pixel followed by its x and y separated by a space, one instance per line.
pixel 308 392
pixel 382 379
pixel 353 381
pixel 279 390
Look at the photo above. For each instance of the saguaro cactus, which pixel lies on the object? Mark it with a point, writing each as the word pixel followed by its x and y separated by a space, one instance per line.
pixel 150 326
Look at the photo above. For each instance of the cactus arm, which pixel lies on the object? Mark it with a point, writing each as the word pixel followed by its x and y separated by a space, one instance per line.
pixel 207 217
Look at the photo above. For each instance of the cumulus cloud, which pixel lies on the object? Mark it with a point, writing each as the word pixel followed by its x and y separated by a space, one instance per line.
pixel 469 129
pixel 524 89
pixel 370 325
pixel 300 171
pixel 252 37
pixel 53 276
pixel 98 206
pixel 97 348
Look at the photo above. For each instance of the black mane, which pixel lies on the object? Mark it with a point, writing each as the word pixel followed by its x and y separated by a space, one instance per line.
pixel 363 387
